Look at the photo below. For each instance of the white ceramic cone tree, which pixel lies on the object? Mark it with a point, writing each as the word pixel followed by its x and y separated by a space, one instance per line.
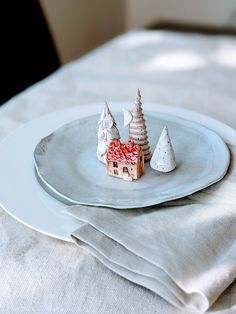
pixel 107 132
pixel 137 127
pixel 163 158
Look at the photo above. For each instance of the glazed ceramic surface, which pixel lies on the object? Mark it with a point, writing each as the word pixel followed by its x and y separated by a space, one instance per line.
pixel 21 195
pixel 67 165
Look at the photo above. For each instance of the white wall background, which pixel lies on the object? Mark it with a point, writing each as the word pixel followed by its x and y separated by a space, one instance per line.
pixel 78 26
pixel 207 12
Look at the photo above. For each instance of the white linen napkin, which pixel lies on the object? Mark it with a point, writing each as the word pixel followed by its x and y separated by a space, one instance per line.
pixel 183 250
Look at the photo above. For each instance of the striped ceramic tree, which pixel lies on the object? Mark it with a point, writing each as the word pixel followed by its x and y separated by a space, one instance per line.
pixel 138 130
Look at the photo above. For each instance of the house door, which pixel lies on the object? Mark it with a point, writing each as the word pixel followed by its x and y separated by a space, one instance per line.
pixel 126 174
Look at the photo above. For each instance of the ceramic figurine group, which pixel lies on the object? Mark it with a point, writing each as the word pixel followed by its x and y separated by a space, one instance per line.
pixel 126 160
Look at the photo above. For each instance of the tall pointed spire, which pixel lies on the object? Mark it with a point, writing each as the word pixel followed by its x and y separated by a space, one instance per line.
pixel 163 158
pixel 138 103
pixel 137 128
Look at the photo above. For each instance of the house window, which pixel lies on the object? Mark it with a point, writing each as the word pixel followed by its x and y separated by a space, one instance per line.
pixel 125 169
pixel 116 172
pixel 115 164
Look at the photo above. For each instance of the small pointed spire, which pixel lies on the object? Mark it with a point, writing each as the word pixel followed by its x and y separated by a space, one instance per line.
pixel 163 158
pixel 127 117
pixel 106 107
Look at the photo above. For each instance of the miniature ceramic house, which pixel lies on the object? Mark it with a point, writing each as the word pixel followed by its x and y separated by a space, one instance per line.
pixel 125 160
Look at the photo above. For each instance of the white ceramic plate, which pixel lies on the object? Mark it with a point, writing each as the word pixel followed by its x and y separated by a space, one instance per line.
pixel 67 165
pixel 21 195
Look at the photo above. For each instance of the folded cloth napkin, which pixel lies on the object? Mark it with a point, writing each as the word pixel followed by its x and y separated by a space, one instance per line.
pixel 184 250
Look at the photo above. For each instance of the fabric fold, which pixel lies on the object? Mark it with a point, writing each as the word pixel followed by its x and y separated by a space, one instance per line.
pixel 184 250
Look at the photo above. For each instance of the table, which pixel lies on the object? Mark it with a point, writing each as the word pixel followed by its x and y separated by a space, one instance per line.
pixel 43 275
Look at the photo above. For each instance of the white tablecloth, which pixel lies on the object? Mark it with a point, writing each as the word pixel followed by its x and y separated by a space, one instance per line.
pixel 43 275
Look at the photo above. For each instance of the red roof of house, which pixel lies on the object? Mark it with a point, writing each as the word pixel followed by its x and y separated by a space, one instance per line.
pixel 127 153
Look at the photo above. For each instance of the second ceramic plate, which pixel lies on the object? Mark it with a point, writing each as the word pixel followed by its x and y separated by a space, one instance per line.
pixel 67 166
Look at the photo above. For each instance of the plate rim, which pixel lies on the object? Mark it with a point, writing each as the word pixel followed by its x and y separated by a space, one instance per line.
pixel 15 209
pixel 52 190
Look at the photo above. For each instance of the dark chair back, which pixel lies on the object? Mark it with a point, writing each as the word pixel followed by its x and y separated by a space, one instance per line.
pixel 27 52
